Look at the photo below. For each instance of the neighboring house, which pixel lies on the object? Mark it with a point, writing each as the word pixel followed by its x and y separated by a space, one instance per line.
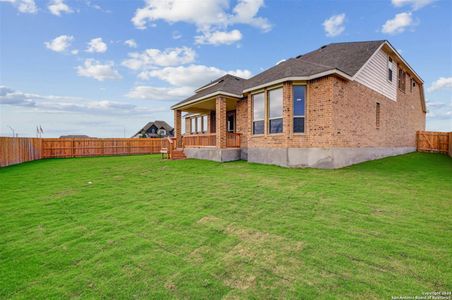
pixel 155 129
pixel 341 104
pixel 76 136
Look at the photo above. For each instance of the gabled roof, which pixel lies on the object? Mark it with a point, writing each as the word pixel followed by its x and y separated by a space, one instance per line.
pixel 342 59
pixel 347 58
pixel 158 123
pixel 227 85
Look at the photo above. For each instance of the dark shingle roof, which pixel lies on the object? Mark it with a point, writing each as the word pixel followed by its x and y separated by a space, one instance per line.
pixel 346 57
pixel 227 84
pixel 159 124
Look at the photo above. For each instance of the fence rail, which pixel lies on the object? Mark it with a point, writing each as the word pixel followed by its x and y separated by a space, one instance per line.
pixel 19 150
pixel 199 140
pixel 434 141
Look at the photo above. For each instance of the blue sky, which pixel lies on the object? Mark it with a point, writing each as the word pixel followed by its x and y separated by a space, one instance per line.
pixel 104 67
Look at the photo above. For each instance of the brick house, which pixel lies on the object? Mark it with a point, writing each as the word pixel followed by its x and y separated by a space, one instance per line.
pixel 341 104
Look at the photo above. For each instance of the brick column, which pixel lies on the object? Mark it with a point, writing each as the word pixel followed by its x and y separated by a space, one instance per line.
pixel 221 122
pixel 287 111
pixel 178 126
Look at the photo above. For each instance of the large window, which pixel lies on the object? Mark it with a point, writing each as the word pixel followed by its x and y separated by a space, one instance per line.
pixel 198 125
pixel 204 124
pixel 275 111
pixel 299 104
pixel 193 125
pixel 258 113
pixel 390 69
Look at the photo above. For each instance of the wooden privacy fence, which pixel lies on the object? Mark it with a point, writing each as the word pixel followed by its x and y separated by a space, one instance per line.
pixel 98 147
pixel 19 150
pixel 434 141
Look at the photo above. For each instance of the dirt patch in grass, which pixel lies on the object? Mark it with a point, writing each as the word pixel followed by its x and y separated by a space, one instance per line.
pixel 256 257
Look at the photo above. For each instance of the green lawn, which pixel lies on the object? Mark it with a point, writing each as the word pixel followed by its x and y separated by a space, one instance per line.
pixel 140 227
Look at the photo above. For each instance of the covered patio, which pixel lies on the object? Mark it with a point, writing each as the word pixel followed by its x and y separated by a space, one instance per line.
pixel 209 123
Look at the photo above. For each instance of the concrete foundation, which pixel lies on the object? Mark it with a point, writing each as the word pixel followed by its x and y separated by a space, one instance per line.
pixel 322 158
pixel 215 154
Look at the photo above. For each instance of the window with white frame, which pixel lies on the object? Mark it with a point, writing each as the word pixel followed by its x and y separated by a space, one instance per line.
pixel 204 124
pixel 390 69
pixel 258 113
pixel 299 105
pixel 275 111
pixel 198 125
pixel 193 125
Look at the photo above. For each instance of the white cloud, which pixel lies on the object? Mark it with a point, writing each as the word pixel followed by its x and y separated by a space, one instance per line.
pixel 440 110
pixel 176 35
pixel 441 83
pixel 415 4
pixel 131 43
pixel 398 24
pixel 97 45
pixel 245 13
pixel 219 37
pixel 60 43
pixel 192 75
pixel 334 25
pixel 207 15
pixel 95 69
pixel 24 6
pixel 56 7
pixel 159 93
pixel 74 52
pixel 70 104
pixel 155 57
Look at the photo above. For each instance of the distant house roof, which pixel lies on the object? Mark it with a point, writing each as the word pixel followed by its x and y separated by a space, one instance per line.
pixel 158 123
pixel 76 136
pixel 342 59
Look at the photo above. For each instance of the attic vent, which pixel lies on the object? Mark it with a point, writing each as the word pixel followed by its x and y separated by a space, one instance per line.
pixel 238 79
pixel 299 56
pixel 323 47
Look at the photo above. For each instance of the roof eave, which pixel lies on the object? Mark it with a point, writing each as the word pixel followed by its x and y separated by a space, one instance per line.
pixel 179 105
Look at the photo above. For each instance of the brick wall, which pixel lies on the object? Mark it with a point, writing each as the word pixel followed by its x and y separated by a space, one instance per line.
pixel 354 116
pixel 341 113
pixel 242 121
pixel 318 119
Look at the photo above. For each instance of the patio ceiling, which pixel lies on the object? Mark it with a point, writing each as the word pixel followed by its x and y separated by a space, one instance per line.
pixel 209 105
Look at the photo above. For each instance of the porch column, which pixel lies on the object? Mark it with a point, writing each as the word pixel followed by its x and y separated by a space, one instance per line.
pixel 220 122
pixel 178 126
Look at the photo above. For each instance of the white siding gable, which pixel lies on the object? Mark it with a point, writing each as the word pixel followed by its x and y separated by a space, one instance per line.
pixel 374 75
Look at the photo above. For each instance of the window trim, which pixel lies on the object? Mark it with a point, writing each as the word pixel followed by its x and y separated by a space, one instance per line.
pixel 267 103
pixel 305 109
pixel 205 123
pixel 390 60
pixel 252 113
pixel 193 122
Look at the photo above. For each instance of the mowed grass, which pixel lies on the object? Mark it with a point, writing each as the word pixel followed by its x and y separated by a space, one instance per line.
pixel 141 227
